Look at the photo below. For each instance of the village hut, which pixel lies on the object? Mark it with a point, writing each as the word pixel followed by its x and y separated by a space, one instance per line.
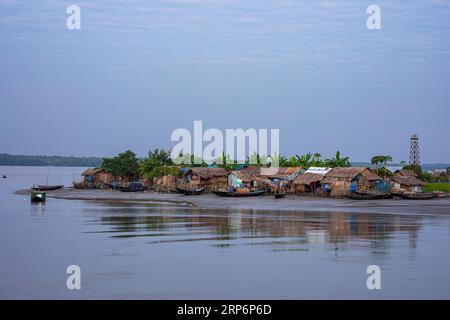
pixel 97 178
pixel 281 173
pixel 406 180
pixel 210 178
pixel 280 177
pixel 164 183
pixel 342 181
pixel 309 181
pixel 246 178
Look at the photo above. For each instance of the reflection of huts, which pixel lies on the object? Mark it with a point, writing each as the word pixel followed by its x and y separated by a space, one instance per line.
pixel 406 180
pixel 342 181
pixel 97 178
pixel 309 181
pixel 210 178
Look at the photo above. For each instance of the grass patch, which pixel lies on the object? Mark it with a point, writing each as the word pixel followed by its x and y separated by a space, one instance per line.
pixel 437 186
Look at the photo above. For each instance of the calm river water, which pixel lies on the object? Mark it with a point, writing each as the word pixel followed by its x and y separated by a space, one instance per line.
pixel 139 251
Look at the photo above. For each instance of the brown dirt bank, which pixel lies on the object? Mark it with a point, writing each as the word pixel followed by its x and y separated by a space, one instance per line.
pixel 290 203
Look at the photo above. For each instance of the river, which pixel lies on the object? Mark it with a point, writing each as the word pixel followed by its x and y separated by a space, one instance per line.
pixel 141 251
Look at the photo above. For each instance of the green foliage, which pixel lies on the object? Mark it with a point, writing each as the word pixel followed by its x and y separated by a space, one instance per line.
pixel 126 164
pixel 382 171
pixel 338 161
pixel 156 158
pixel 164 171
pixel 437 186
pixel 313 160
pixel 158 163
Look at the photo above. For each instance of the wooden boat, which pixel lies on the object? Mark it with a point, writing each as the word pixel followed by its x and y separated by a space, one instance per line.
pixel 38 196
pixel 279 195
pixel 191 192
pixel 416 195
pixel 133 187
pixel 239 194
pixel 47 187
pixel 369 196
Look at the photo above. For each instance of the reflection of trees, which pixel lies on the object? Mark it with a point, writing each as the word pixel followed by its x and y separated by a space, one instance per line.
pixel 331 227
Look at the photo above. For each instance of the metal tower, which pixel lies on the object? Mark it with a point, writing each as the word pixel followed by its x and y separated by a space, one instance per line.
pixel 414 154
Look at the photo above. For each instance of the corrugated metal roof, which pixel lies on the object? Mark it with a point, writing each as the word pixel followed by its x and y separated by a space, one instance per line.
pixel 318 170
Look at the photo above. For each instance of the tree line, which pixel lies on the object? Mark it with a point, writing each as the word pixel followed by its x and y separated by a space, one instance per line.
pixel 56 161
pixel 159 162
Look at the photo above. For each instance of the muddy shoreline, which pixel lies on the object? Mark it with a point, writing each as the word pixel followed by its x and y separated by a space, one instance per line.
pixel 263 203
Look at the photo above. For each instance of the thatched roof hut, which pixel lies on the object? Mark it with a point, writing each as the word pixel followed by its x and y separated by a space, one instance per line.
pixel 349 173
pixel 97 178
pixel 307 178
pixel 307 182
pixel 281 172
pixel 406 180
pixel 246 178
pixel 206 173
pixel 91 172
pixel 210 178
pixel 342 181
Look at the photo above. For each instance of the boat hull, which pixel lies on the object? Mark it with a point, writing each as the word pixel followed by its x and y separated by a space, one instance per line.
pixel 47 188
pixel 367 196
pixel 237 194
pixel 126 189
pixel 190 192
pixel 417 196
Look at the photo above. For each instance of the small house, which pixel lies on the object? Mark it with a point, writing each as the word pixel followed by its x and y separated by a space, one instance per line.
pixel 245 178
pixel 406 180
pixel 97 178
pixel 280 177
pixel 309 181
pixel 164 183
pixel 210 178
pixel 341 181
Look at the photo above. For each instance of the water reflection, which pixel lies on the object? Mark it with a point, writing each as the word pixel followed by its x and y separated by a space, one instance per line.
pixel 253 227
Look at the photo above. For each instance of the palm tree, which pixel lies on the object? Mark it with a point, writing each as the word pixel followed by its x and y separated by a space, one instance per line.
pixel 337 161
pixel 305 160
pixel 386 159
pixel 376 160
pixel 317 161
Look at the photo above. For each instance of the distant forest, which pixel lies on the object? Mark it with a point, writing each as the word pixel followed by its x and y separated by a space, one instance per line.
pixel 55 161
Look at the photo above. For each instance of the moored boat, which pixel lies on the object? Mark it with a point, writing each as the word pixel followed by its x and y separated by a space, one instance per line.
pixel 239 194
pixel 416 195
pixel 47 187
pixel 133 187
pixel 38 196
pixel 369 196
pixel 190 192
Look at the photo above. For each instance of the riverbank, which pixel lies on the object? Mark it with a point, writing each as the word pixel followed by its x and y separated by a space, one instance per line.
pixel 268 203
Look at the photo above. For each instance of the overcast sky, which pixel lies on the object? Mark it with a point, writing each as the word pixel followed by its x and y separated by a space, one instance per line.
pixel 139 69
